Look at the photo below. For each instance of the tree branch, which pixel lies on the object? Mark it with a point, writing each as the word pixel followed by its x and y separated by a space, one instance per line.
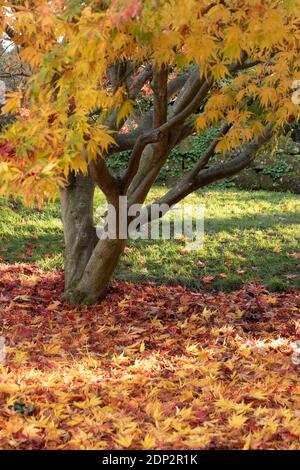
pixel 230 168
pixel 126 141
pixel 142 141
pixel 105 180
pixel 138 83
pixel 12 75
pixel 192 182
pixel 190 108
pixel 210 151
pixel 190 88
pixel 160 96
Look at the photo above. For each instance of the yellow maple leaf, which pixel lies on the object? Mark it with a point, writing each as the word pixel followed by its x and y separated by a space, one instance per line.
pixel 13 102
pixel 237 421
pixel 124 439
pixel 267 96
pixel 247 442
pixel 125 110
pixel 148 442
pixel 89 403
pixel 201 123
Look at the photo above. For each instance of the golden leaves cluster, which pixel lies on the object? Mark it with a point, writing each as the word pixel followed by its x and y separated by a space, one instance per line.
pixel 70 49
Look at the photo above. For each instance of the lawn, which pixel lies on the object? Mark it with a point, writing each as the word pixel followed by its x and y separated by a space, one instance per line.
pixel 248 236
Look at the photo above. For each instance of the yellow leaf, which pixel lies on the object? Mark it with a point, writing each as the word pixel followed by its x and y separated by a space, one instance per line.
pixel 13 102
pixel 267 96
pixel 148 442
pixel 124 440
pixel 92 149
pixel 52 349
pixel 125 110
pixel 245 352
pixel 9 388
pixel 201 123
pixel 237 421
pixel 3 167
pixel 247 443
pixel 90 403
pixel 219 71
pixel 79 164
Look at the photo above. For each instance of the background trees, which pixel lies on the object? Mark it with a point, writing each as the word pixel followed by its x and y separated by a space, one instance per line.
pixel 226 64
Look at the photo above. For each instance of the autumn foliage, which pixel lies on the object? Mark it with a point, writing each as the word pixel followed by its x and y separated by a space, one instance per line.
pixel 71 46
pixel 152 367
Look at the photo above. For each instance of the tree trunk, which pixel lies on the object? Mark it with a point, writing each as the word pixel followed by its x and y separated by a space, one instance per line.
pixel 98 272
pixel 79 233
pixel 89 262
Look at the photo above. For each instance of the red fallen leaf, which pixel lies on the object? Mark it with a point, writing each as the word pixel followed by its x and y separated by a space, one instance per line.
pixel 199 417
pixel 223 275
pixel 24 332
pixel 36 237
pixel 295 255
pixel 29 252
pixel 200 264
pixel 183 251
pixel 208 279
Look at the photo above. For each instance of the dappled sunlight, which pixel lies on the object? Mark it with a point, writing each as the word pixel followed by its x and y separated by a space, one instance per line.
pixel 248 236
pixel 151 367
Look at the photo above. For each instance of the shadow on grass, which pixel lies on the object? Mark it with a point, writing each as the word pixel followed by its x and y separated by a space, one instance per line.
pixel 240 249
pixel 255 221
pixel 18 248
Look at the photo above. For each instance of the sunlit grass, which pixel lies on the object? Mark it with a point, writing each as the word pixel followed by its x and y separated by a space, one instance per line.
pixel 248 236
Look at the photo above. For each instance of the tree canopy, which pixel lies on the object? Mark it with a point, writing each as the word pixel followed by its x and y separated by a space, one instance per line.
pixel 90 59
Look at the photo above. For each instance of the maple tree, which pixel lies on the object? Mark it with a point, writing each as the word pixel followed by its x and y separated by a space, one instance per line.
pixel 229 64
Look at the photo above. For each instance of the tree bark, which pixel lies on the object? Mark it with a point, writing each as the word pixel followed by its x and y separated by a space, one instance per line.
pixel 98 273
pixel 89 262
pixel 79 232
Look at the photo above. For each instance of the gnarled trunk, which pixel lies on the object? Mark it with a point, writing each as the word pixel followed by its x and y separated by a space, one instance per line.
pixel 89 262
pixel 98 272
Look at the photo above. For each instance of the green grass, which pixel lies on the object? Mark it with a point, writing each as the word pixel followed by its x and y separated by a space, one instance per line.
pixel 248 236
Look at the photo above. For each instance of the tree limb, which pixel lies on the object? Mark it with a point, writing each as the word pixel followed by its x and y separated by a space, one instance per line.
pixel 138 83
pixel 105 180
pixel 141 142
pixel 192 182
pixel 210 151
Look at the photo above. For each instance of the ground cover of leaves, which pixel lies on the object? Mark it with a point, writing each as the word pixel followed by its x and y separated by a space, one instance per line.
pixel 151 367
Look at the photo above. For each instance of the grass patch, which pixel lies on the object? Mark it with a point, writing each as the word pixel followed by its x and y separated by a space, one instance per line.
pixel 248 236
